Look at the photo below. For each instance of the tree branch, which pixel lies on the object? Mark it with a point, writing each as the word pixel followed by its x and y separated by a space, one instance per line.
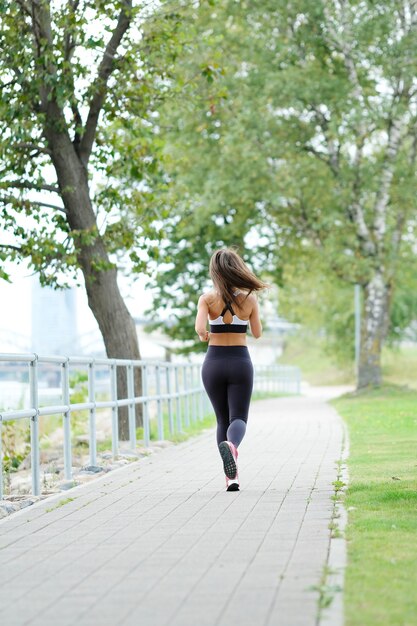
pixel 25 7
pixel 407 11
pixel 320 155
pixel 301 218
pixel 345 46
pixel 31 146
pixel 13 81
pixel 326 158
pixel 40 14
pixel 69 42
pixel 355 210
pixel 381 203
pixel 105 70
pixel 402 215
pixel 16 184
pixel 69 48
pixel 332 146
pixel 34 203
pixel 9 246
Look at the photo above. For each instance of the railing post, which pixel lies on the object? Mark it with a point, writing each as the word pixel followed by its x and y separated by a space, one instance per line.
pixel 160 417
pixel 114 412
pixel 178 399
pixel 185 396
pixel 34 427
pixel 92 413
pixel 132 406
pixel 200 393
pixel 169 392
pixel 191 396
pixel 194 396
pixel 66 419
pixel 146 434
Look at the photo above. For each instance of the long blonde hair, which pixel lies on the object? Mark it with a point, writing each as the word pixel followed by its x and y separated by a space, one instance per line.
pixel 228 271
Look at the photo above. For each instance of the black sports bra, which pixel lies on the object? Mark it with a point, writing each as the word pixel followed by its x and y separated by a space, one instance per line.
pixel 236 326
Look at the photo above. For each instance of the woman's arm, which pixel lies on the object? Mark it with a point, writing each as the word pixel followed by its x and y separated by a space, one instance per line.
pixel 254 319
pixel 201 319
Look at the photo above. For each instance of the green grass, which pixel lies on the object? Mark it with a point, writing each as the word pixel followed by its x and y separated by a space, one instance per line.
pixel 399 366
pixel 194 428
pixel 307 351
pixel 265 395
pixel 60 503
pixel 381 578
pixel 317 367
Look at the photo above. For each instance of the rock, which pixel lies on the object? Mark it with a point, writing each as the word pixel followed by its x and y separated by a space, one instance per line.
pixel 92 469
pixel 68 484
pixel 27 502
pixel 83 440
pixel 9 507
pixel 106 455
pixel 49 454
pixel 26 463
pixel 19 497
pixel 85 478
pixel 161 443
pixel 130 455
pixel 48 477
pixel 23 484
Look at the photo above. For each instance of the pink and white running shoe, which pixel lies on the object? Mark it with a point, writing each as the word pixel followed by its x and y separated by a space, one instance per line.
pixel 229 454
pixel 232 484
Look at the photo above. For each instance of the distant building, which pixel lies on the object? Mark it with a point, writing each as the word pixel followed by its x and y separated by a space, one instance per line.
pixel 54 320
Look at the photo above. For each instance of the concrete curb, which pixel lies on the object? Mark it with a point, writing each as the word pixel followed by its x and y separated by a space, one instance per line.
pixel 333 614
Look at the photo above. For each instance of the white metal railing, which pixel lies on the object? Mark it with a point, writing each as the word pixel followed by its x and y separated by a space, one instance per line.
pixel 175 387
pixel 277 378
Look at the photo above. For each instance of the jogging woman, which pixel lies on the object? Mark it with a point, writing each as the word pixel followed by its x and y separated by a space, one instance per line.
pixel 227 370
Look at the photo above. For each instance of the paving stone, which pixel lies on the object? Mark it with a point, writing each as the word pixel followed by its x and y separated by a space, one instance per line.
pixel 160 543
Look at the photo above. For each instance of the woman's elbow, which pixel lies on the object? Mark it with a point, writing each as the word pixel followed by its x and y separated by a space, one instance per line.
pixel 256 332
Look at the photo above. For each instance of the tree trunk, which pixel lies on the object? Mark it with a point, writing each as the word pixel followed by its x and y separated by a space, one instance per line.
pixel 70 160
pixel 115 322
pixel 373 331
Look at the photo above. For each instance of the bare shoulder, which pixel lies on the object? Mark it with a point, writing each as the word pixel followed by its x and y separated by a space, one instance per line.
pixel 207 297
pixel 245 303
pixel 251 300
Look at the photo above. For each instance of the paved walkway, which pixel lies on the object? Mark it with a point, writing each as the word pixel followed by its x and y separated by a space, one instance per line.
pixel 160 543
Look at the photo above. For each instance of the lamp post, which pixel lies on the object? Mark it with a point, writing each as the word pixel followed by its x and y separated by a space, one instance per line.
pixel 357 325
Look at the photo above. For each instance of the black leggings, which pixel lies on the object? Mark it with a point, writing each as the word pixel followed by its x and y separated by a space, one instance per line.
pixel 227 375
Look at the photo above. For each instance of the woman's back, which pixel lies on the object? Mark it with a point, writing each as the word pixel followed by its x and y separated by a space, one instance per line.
pixel 242 310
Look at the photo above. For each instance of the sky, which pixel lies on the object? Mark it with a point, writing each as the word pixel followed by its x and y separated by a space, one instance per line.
pixel 16 305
